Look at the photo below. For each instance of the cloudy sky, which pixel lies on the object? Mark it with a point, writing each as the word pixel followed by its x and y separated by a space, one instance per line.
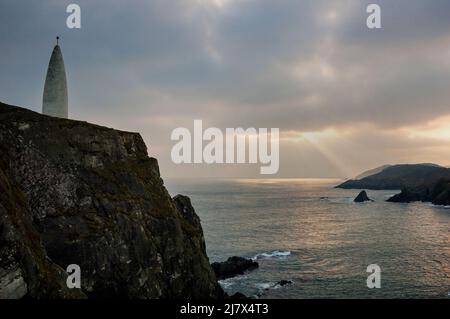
pixel 345 98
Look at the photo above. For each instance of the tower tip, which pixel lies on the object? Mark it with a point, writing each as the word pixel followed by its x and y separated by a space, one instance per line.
pixel 57 40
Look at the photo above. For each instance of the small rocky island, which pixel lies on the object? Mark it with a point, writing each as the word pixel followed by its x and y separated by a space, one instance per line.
pixel 233 266
pixel 362 197
pixel 77 193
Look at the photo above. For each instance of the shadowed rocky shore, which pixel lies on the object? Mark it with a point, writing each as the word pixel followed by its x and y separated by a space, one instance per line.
pixel 437 194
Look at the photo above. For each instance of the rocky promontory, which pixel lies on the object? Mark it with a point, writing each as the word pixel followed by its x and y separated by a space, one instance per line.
pixel 438 194
pixel 77 193
pixel 233 266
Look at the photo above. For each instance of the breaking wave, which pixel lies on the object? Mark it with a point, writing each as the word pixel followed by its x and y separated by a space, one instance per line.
pixel 273 254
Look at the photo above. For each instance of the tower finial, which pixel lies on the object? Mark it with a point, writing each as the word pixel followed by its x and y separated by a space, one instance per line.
pixel 57 40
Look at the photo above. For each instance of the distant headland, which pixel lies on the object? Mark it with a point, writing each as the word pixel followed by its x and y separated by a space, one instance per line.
pixel 417 182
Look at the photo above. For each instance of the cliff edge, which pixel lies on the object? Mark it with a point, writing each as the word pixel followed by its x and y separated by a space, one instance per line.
pixel 78 193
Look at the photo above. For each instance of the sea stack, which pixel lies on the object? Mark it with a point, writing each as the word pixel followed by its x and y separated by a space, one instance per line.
pixel 54 102
pixel 362 197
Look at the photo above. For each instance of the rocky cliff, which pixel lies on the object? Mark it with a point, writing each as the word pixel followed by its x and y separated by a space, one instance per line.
pixel 77 193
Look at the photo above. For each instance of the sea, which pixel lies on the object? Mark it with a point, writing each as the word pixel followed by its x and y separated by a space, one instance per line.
pixel 314 235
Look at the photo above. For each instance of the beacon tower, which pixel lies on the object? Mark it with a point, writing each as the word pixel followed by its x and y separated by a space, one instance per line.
pixel 54 102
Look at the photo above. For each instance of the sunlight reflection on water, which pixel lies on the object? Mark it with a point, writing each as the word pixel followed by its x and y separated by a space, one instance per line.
pixel 331 239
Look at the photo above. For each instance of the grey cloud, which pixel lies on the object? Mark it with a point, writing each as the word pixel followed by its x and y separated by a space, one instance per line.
pixel 236 66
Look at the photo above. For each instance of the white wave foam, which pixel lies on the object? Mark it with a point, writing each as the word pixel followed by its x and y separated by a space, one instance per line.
pixel 273 254
pixel 264 286
pixel 225 284
pixel 439 206
pixel 229 282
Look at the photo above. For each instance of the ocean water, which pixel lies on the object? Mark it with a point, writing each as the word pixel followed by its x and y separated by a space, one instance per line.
pixel 314 235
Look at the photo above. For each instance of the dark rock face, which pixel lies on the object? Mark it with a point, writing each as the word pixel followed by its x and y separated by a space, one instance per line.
pixel 400 177
pixel 408 195
pixel 77 193
pixel 283 282
pixel 362 197
pixel 438 194
pixel 24 266
pixel 233 266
